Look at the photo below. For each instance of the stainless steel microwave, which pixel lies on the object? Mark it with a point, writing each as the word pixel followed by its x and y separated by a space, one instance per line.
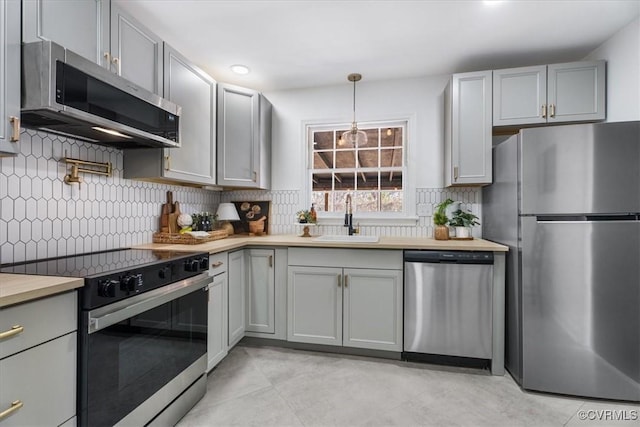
pixel 66 94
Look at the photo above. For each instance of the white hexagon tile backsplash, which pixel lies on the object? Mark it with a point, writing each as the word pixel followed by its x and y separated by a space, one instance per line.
pixel 42 217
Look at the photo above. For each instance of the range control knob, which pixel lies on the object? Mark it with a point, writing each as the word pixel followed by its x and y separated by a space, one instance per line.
pixel 107 288
pixel 192 265
pixel 204 263
pixel 165 272
pixel 128 283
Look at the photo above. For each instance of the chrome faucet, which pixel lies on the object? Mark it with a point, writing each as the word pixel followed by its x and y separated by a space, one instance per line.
pixel 348 216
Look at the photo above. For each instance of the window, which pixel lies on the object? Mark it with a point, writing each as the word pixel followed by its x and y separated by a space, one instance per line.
pixel 373 174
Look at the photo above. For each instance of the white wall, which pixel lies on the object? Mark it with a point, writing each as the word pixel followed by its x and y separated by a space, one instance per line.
pixel 420 99
pixel 622 53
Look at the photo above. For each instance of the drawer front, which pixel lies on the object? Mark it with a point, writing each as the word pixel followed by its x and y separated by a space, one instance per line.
pixel 41 320
pixel 43 378
pixel 218 263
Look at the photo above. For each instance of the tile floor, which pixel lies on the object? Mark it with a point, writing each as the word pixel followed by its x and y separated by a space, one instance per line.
pixel 261 386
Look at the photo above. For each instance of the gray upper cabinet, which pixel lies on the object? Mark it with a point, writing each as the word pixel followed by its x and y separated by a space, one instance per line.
pixel 555 93
pixel 136 52
pixel 9 77
pixel 244 138
pixel 519 96
pixel 195 161
pixel 79 25
pixel 468 129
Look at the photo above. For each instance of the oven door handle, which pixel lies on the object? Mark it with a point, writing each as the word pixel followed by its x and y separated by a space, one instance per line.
pixel 111 314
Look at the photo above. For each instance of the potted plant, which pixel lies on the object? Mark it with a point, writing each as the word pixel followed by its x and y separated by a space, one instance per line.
pixel 305 217
pixel 463 221
pixel 441 231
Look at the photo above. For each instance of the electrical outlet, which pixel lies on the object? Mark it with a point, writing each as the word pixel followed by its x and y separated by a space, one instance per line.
pixel 425 209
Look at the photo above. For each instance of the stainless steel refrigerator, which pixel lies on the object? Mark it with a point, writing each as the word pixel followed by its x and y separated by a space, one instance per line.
pixel 566 200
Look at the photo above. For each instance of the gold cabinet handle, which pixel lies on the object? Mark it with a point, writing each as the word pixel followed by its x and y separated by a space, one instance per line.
pixel 346 280
pixel 455 173
pixel 544 111
pixel 339 280
pixel 217 264
pixel 15 405
pixel 270 260
pixel 167 163
pixel 15 129
pixel 552 110
pixel 15 330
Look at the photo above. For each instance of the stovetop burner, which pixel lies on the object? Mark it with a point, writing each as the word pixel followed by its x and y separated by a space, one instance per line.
pixel 117 274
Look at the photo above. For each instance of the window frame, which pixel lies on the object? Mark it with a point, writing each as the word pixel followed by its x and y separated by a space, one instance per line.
pixel 408 214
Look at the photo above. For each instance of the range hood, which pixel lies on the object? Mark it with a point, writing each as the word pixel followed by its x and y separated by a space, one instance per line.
pixel 66 94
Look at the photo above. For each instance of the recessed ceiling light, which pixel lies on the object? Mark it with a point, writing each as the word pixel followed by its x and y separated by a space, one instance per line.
pixel 240 69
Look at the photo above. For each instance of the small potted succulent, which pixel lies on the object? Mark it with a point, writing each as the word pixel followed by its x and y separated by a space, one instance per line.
pixel 463 221
pixel 305 217
pixel 441 231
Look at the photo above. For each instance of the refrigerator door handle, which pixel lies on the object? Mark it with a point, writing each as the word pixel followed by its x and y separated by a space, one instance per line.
pixel 572 219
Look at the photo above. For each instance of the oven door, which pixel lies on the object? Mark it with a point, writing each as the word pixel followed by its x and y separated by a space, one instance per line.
pixel 132 349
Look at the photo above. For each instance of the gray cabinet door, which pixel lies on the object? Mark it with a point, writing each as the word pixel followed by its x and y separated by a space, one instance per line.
pixel 520 96
pixel 315 305
pixel 9 77
pixel 136 51
pixel 372 316
pixel 468 129
pixel 192 89
pixel 236 274
pixel 576 91
pixel 79 25
pixel 217 343
pixel 238 136
pixel 260 292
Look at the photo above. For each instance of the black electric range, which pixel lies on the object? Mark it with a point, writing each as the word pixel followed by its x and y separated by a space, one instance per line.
pixel 117 274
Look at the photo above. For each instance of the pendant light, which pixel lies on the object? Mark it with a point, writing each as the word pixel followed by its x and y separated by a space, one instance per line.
pixel 354 137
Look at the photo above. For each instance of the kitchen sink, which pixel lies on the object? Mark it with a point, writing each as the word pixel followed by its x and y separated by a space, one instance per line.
pixel 347 238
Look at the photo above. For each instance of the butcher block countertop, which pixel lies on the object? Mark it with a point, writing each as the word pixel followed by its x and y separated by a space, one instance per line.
pixel 17 288
pixel 235 242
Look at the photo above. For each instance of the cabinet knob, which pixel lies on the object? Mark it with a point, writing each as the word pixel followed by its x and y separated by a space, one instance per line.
pixel 552 110
pixel 270 260
pixel 339 280
pixel 455 173
pixel 15 405
pixel 167 163
pixel 15 330
pixel 346 280
pixel 544 111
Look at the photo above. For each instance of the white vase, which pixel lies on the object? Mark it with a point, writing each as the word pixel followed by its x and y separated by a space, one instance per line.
pixel 463 232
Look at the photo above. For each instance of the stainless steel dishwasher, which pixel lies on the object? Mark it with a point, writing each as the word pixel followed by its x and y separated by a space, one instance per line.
pixel 448 303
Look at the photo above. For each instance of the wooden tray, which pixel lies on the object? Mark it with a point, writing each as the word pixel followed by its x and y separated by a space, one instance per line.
pixel 187 239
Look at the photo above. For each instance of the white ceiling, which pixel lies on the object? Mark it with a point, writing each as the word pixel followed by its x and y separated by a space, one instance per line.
pixel 307 43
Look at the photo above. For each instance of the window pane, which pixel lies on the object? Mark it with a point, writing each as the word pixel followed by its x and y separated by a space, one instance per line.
pixel 345 159
pixel 391 180
pixel 368 158
pixel 340 142
pixel 391 158
pixel 391 201
pixel 372 137
pixel 321 199
pixel 323 140
pixel 339 201
pixel 321 181
pixel 323 160
pixel 391 137
pixel 344 181
pixel 367 181
pixel 366 201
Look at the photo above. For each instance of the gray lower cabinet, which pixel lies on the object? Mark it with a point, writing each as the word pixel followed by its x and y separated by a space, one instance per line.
pixel 468 129
pixel 10 81
pixel 195 161
pixel 557 93
pixel 244 138
pixel 236 277
pixel 79 25
pixel 38 363
pixel 217 341
pixel 260 291
pixel 352 306
pixel 136 52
